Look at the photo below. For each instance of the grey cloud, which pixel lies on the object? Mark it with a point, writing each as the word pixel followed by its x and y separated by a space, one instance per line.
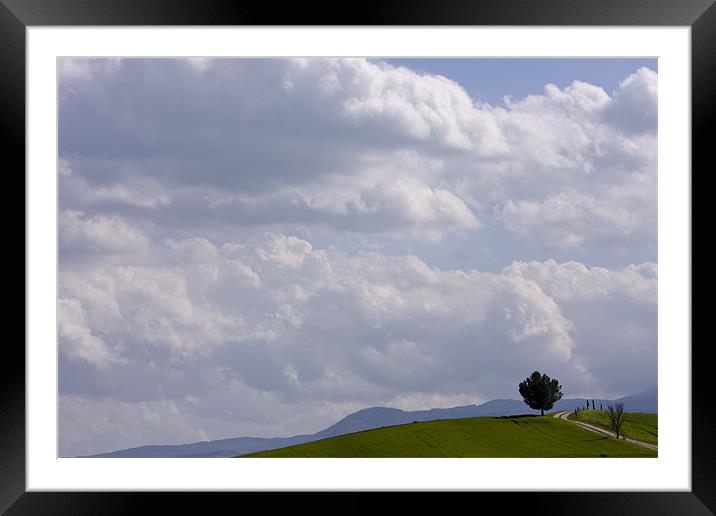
pixel 258 141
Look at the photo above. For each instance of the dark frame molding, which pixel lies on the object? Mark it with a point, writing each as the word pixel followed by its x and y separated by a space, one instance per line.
pixel 16 15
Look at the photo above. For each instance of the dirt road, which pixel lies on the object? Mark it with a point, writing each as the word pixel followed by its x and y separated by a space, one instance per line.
pixel 563 415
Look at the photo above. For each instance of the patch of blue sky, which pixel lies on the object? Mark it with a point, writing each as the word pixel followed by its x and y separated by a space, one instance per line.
pixel 491 79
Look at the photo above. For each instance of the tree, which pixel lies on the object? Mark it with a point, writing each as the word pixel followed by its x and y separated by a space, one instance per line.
pixel 616 418
pixel 540 392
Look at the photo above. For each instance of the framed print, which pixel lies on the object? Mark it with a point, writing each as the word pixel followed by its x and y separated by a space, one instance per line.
pixel 435 249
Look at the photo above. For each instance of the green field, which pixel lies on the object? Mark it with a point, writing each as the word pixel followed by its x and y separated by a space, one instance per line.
pixel 472 437
pixel 637 425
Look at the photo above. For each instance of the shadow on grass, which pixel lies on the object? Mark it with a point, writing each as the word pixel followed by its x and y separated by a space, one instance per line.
pixel 518 417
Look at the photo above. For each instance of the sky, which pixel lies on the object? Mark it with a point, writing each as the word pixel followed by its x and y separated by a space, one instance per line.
pixel 259 247
pixel 490 80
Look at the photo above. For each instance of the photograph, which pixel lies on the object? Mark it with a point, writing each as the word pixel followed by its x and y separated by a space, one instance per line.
pixel 434 249
pixel 357 257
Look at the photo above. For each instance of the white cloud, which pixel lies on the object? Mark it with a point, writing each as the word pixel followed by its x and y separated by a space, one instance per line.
pixel 77 341
pixel 143 192
pixel 353 145
pixel 148 306
pixel 571 219
pixel 575 281
pixel 614 317
pixel 635 104
pixel 575 178
pixel 422 107
pixel 99 233
pixel 84 421
pixel 200 64
pixel 73 69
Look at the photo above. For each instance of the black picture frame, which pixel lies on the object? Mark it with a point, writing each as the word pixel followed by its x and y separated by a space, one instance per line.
pixel 16 15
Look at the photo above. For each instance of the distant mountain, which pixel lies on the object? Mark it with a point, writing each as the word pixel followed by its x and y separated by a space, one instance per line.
pixel 219 448
pixel 366 419
pixel 647 401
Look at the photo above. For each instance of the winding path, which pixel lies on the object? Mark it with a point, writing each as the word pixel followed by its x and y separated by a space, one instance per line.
pixel 564 413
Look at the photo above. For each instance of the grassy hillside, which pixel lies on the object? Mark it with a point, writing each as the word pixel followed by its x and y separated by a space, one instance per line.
pixel 637 425
pixel 473 437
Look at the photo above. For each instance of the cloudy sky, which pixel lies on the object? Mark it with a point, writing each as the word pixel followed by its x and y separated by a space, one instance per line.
pixel 262 246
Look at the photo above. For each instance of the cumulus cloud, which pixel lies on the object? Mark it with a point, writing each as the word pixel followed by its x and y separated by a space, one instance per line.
pixel 635 104
pixel 575 281
pixel 614 313
pixel 570 219
pixel 278 322
pixel 99 233
pixel 349 144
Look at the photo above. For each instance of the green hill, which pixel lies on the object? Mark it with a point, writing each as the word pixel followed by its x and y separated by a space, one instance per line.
pixel 637 425
pixel 472 437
